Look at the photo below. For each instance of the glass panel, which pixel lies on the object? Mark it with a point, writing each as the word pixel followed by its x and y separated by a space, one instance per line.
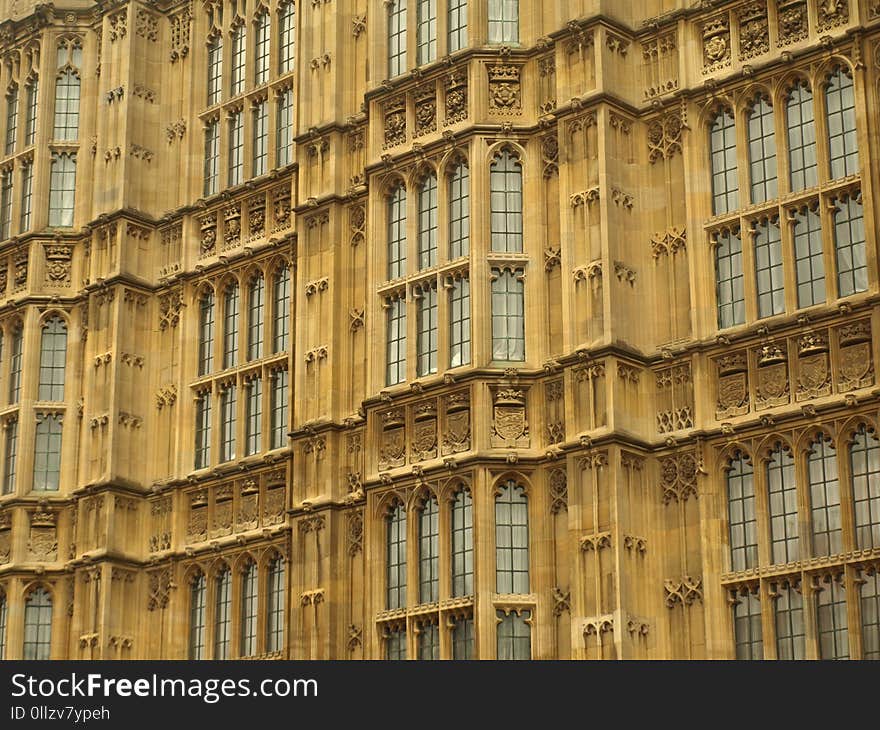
pixel 426 48
pixel 396 342
pixel 62 189
pixel 769 274
pixel 508 320
pixel 463 639
pixel 426 344
pixel 255 319
pixel 206 333
pixel 722 145
pixel 215 70
pixel 236 149
pixel 462 544
pixel 395 644
pixel 505 184
pixel 864 455
pixel 841 113
pixel 459 212
pixel 284 134
pixel 741 514
pixel 203 431
pixel 503 21
pixel 227 423
pixel 457 24
pixel 9 457
pixel 248 615
pixel 729 290
pixel 47 453
pixel 37 625
pixel 222 614
pixel 254 416
pixel 460 323
pixel 789 614
pixel 870 600
pixel 782 493
pixel 53 360
pixel 275 605
pixel 429 642
pixel 824 497
pixel 260 150
pixel 282 310
pixel 747 626
pixel 212 157
pixel 849 241
pixel 801 137
pixel 809 262
pixel 197 618
pixel 428 223
pixel 429 552
pixel 511 539
pixel 261 49
pixel 396 37
pixel 397 233
pixel 288 35
pixel 762 151
pixel 396 559
pixel 279 409
pixel 514 635
pixel 66 107
pixel 831 613
pixel 230 334
pixel 238 60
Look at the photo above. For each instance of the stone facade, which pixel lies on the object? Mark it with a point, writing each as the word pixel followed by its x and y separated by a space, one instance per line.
pixel 289 449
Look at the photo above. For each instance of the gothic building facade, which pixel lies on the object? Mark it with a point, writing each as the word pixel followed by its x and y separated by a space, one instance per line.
pixel 289 369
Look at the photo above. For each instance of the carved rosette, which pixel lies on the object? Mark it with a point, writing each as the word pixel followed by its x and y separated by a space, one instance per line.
pixel 59 258
pixel 716 44
pixel 856 361
pixel 505 94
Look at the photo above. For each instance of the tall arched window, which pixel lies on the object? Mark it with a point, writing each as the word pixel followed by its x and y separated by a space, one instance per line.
pixel 514 634
pixel 809 257
pixel 864 459
pixel 222 613
pixel 747 624
pixel 762 151
pixel 849 243
pixel 782 495
pixel 505 201
pixel 729 278
pixel 206 333
pixel 428 222
pixel 197 622
pixel 11 119
pixel 253 426
pixel 801 137
pixel 53 359
pixel 37 625
pixel 30 112
pixel 396 558
pixel 2 625
pixel 824 497
pixel 742 521
pixel 215 69
pixel 396 37
pixel 840 109
pixel 47 453
pixel 255 318
pixel 15 364
pixel 459 212
pixel 769 270
pixel 286 18
pixel 62 189
pixel 459 322
pixel 275 605
pixel 833 633
pixel 511 539
pixel 230 327
pixel 462 544
pixel 248 615
pixel 426 334
pixel 395 344
pixel 67 89
pixel 722 146
pixel 788 609
pixel 429 551
pixel 281 316
pixel 397 233
pixel 239 52
pixel 261 48
pixel 203 430
pixel 870 600
pixel 508 315
pixel 228 419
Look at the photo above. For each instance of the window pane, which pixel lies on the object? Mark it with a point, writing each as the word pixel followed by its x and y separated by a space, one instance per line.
pixel 428 223
pixel 789 616
pixel 429 552
pixel 511 539
pixel 870 599
pixel 741 514
pixel 396 559
pixel 37 625
pixel 769 268
pixel 53 357
pixel 508 325
pixel 864 457
pixel 462 544
pixel 426 48
pixel 841 115
pixel 808 255
pixel 782 491
pixel 457 24
pixel 747 625
pixel 222 614
pixel 801 137
pixel 503 21
pixel 396 37
pixel 397 233
pixel 849 240
pixel 505 183
pixel 722 145
pixel 426 344
pixel 248 613
pixel 47 453
pixel 396 342
pixel 729 279
pixel 824 497
pixel 514 635
pixel 275 606
pixel 762 151
pixel 831 614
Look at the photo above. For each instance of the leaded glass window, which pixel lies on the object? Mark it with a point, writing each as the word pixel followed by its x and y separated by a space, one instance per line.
pixel 62 189
pixel 222 614
pixel 47 453
pixel 849 244
pixel 429 552
pixel 742 521
pixel 397 233
pixel 762 151
pixel 248 614
pixel 463 638
pixel 808 257
pixel 256 296
pixel 729 286
pixel 747 625
pixel 870 600
pixel 769 274
pixel 239 40
pixel 261 49
pixel 429 641
pixel 426 341
pixel 396 342
pixel 503 21
pixel 514 634
pixel 236 148
pixel 426 31
pixel 287 18
pixel 459 212
pixel 275 605
pixel 66 106
pixel 215 70
pixel 260 147
pixel 396 37
pixel 782 493
pixel 396 558
pixel 840 109
pixel 212 157
pixel 801 137
pixel 37 625
pixel 505 200
pixel 457 25
pixel 279 409
pixel 197 617
pixel 53 359
pixel 203 430
pixel 508 315
pixel 722 146
pixel 511 539
pixel 462 544
pixel 254 416
pixel 230 327
pixel 824 497
pixel 789 617
pixel 460 322
pixel 206 333
pixel 428 222
pixel 227 422
pixel 831 614
pixel 864 459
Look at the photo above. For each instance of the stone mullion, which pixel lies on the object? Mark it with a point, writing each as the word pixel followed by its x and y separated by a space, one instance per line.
pixel 821 126
pixel 748 234
pixel 534 288
pixel 15 602
pixel 480 282
pixel 829 253
pixel 865 138
pixel 30 368
pixel 852 593
pixel 541 572
pixel 845 490
pixel 762 509
pixel 789 268
pixel 484 565
pixel 768 620
pixel 780 132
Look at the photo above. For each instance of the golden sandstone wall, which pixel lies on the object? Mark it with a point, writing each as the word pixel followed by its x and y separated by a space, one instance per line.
pixel 264 436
